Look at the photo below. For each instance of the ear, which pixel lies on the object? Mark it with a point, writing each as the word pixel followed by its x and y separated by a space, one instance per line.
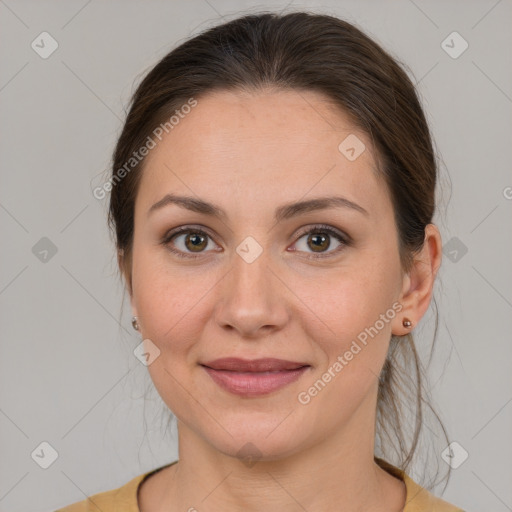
pixel 418 284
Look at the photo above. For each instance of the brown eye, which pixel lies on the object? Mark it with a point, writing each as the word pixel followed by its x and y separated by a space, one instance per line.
pixel 187 242
pixel 319 239
pixel 195 242
pixel 318 242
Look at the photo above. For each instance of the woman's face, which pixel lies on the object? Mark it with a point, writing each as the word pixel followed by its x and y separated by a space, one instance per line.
pixel 250 285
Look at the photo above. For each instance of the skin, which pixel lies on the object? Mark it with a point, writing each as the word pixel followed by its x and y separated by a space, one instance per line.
pixel 249 153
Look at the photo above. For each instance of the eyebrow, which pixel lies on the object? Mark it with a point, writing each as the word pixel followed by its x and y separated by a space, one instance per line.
pixel 284 212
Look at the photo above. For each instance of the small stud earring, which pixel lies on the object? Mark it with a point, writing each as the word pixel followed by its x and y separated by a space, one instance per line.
pixel 135 324
pixel 407 323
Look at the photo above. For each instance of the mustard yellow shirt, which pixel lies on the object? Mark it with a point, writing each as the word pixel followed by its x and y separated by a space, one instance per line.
pixel 124 498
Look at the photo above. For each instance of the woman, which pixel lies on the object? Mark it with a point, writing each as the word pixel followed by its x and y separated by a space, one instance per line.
pixel 272 196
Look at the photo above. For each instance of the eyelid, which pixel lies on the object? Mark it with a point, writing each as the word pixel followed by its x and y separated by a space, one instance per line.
pixel 324 228
pixel 195 228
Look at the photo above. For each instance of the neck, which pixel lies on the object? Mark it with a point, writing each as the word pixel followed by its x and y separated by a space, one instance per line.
pixel 333 474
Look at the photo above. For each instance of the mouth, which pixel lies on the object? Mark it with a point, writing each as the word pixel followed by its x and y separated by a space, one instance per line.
pixel 250 378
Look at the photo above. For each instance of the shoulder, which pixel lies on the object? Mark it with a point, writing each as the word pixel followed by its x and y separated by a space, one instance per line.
pixel 418 499
pixel 121 499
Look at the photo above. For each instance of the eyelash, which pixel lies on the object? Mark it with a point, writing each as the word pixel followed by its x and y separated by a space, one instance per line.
pixel 321 228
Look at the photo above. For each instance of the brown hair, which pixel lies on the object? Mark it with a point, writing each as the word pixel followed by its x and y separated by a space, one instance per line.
pixel 304 51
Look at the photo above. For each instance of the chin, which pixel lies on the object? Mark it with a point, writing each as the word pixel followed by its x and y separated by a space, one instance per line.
pixel 251 441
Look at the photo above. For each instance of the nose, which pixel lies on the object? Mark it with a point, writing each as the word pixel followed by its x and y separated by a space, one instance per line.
pixel 252 299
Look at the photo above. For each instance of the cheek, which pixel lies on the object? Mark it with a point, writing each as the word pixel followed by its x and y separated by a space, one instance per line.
pixel 351 312
pixel 170 302
pixel 173 315
pixel 353 341
pixel 351 300
pixel 170 313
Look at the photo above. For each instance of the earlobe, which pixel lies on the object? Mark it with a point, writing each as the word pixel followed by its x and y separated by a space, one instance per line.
pixel 419 282
pixel 122 263
pixel 407 319
pixel 134 307
pixel 135 316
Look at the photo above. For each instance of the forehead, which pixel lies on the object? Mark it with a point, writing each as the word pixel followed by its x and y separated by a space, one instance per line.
pixel 273 117
pixel 267 145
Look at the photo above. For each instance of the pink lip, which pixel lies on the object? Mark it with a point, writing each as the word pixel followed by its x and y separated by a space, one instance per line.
pixel 268 364
pixel 253 378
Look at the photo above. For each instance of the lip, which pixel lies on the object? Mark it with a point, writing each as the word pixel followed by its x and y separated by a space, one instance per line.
pixel 268 364
pixel 254 377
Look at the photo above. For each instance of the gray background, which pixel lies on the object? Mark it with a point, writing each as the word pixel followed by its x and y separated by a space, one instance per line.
pixel 67 372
